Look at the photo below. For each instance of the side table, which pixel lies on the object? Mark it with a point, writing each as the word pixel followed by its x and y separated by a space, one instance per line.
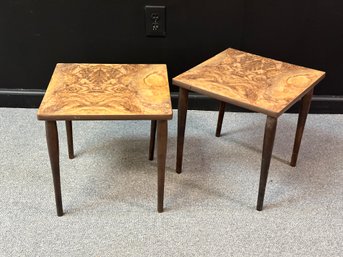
pixel 106 92
pixel 253 82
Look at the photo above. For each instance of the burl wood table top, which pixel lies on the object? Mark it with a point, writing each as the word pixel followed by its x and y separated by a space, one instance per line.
pixel 107 91
pixel 250 81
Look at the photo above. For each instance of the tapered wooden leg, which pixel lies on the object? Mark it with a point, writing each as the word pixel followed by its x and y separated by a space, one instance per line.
pixel 162 135
pixel 69 128
pixel 182 115
pixel 268 143
pixel 304 108
pixel 52 141
pixel 152 140
pixel 220 118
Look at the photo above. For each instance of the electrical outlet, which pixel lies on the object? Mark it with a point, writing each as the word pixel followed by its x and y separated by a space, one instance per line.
pixel 155 21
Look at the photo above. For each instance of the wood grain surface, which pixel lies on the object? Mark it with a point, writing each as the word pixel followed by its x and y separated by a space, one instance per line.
pixel 107 91
pixel 250 81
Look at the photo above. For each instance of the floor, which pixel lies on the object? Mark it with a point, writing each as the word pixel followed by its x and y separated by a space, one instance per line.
pixel 109 189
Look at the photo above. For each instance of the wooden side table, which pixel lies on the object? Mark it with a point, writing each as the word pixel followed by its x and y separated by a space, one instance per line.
pixel 106 92
pixel 256 83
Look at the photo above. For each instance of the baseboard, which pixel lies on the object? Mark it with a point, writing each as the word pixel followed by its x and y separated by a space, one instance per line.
pixel 21 98
pixel 31 98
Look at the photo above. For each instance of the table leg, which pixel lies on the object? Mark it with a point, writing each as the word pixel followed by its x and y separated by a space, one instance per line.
pixel 52 141
pixel 268 143
pixel 304 109
pixel 220 118
pixel 162 135
pixel 69 128
pixel 182 115
pixel 152 140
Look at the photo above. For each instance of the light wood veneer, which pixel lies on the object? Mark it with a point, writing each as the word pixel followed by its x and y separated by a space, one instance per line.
pixel 107 91
pixel 250 81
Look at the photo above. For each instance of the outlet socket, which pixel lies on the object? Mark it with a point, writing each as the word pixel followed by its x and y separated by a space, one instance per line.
pixel 155 21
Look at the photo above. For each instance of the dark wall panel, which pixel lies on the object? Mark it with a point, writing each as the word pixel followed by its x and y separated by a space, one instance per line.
pixel 36 34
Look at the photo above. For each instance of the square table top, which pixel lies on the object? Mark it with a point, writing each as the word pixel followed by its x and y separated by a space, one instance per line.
pixel 250 81
pixel 79 91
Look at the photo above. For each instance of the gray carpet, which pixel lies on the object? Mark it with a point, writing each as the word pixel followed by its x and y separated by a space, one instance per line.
pixel 109 190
